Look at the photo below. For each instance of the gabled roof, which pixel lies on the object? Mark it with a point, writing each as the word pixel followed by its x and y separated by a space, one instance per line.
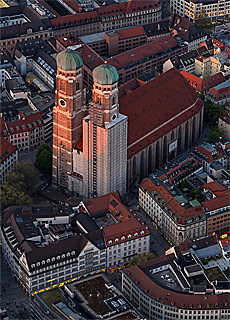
pixel 90 58
pixel 216 188
pixel 150 49
pixel 151 118
pixel 216 203
pixel 6 149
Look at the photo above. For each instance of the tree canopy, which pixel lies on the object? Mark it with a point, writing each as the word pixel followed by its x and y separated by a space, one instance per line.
pixel 142 258
pixel 17 189
pixel 214 135
pixel 44 159
pixel 202 21
pixel 212 111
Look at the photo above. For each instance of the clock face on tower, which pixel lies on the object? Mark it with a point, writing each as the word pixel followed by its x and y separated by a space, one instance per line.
pixel 62 102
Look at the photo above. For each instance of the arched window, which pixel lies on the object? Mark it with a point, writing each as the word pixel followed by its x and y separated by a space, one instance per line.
pixel 98 99
pixel 62 86
pixel 193 130
pixel 165 147
pixel 179 141
pixel 172 135
pixel 77 86
pixel 201 124
pixel 113 100
pixel 142 166
pixel 186 136
pixel 134 166
pixel 150 160
pixel 157 155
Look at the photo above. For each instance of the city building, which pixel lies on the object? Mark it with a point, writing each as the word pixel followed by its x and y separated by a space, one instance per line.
pixel 42 250
pixel 224 125
pixel 26 24
pixel 171 211
pixel 26 133
pixel 206 67
pixel 216 10
pixel 177 285
pixel 124 235
pixel 108 17
pixel 87 165
pixel 207 154
pixel 203 85
pixel 9 155
pixel 96 147
pixel 220 94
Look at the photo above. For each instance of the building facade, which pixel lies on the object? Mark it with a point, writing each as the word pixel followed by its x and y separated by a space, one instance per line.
pixel 9 155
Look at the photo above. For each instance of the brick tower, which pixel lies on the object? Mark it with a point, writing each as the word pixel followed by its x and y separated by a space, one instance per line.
pixel 104 137
pixel 67 115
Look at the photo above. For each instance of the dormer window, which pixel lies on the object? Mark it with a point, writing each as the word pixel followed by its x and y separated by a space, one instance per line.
pixel 48 260
pixel 63 256
pixel 123 238
pixel 33 265
pixel 73 253
pixel 53 259
pixel 136 234
pixel 142 232
pixel 38 264
pixel 110 241
pixel 129 236
pixel 58 257
pixel 43 262
pixel 68 254
pixel 116 239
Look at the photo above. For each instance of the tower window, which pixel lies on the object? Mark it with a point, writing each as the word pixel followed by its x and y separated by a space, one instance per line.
pixel 99 100
pixel 77 86
pixel 62 85
pixel 113 100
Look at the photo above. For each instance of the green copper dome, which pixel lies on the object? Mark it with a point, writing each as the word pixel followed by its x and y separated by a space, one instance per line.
pixel 105 74
pixel 69 60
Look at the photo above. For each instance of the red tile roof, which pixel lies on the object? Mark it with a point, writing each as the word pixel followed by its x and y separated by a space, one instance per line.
pixel 225 242
pixel 224 92
pixel 6 149
pixel 69 40
pixel 200 58
pixel 171 298
pixel 208 154
pixel 131 32
pixel 169 199
pixel 80 18
pixel 216 203
pixel 127 224
pixel 226 117
pixel 130 86
pixel 216 188
pixel 149 119
pixel 27 123
pixel 126 58
pixel 72 4
pixel 201 84
pixel 90 58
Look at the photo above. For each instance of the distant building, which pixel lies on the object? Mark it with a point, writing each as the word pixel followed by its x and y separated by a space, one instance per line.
pixel 26 133
pixel 8 156
pixel 16 90
pixel 220 94
pixel 176 285
pixel 192 9
pixel 224 125
pixel 206 67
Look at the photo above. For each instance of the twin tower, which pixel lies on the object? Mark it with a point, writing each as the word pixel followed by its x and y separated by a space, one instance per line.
pixel 89 144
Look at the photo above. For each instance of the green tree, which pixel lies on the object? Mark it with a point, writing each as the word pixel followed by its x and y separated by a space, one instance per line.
pixel 18 187
pixel 11 196
pixel 24 176
pixel 137 259
pixel 214 135
pixel 203 22
pixel 44 159
pixel 212 111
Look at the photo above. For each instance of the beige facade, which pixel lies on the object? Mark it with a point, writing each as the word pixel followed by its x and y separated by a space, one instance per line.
pixel 207 67
pixel 224 125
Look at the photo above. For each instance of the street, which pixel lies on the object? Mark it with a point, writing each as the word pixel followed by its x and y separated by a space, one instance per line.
pixel 13 297
pixel 157 242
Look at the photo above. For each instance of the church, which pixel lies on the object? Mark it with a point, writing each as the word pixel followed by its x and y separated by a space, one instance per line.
pixel 114 143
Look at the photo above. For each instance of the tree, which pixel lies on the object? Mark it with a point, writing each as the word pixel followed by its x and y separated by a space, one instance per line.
pixel 11 196
pixel 44 159
pixel 212 111
pixel 24 176
pixel 215 134
pixel 203 22
pixel 137 259
pixel 18 187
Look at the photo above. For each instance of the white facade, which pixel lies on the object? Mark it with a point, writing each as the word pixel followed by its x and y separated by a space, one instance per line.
pixel 4 75
pixel 219 9
pixel 6 164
